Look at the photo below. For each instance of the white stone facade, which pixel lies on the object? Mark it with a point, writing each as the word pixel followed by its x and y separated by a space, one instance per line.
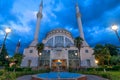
pixel 58 47
pixel 30 57
pixel 61 51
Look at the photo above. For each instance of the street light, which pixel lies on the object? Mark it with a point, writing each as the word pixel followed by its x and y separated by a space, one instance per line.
pixel 76 54
pixel 40 59
pixel 96 61
pixel 7 31
pixel 7 57
pixel 115 28
pixel 40 54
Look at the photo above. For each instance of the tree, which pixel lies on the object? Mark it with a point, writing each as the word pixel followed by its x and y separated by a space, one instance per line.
pixel 3 60
pixel 114 51
pixel 78 43
pixel 18 59
pixel 40 47
pixel 115 60
pixel 102 54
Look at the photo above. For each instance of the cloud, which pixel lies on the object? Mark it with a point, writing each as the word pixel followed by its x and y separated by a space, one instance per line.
pixel 1 32
pixel 96 9
pixel 6 14
pixel 97 17
pixel 18 28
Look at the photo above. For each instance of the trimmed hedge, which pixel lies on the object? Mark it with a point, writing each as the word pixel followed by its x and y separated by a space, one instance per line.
pixel 18 69
pixel 113 68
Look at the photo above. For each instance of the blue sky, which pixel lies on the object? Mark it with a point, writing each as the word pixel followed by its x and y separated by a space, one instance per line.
pixel 97 18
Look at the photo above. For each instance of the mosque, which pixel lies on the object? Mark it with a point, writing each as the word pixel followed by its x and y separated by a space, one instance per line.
pixel 59 46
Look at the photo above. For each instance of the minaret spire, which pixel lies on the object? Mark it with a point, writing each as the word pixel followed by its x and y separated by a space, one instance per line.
pixel 39 17
pixel 78 15
pixel 17 47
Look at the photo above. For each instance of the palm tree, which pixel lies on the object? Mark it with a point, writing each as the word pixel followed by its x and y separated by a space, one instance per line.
pixel 40 47
pixel 78 43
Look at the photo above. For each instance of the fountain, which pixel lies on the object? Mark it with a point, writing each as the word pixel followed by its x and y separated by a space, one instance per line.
pixel 59 75
pixel 58 65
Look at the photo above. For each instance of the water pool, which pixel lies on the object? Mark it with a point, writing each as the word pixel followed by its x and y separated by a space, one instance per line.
pixel 59 76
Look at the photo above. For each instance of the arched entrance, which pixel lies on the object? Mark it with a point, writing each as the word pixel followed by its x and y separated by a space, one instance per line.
pixel 62 66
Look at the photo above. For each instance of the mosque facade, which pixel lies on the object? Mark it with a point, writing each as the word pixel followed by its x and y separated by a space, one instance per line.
pixel 59 47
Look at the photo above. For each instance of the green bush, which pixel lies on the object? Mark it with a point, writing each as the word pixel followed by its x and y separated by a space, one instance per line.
pixel 8 76
pixel 104 75
pixel 27 69
pixel 113 68
pixel 1 72
pixel 29 72
pixel 116 68
pixel 17 69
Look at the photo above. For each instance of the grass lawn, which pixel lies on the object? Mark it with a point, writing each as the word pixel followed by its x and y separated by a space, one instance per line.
pixel 112 75
pixel 115 75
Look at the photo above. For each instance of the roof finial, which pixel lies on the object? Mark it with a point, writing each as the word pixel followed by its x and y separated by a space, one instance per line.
pixel 76 2
pixel 41 4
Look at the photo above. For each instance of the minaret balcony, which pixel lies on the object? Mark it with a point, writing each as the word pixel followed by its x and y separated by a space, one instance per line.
pixel 39 15
pixel 78 15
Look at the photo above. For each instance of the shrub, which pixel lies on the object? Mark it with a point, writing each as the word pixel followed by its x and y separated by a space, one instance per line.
pixel 1 72
pixel 18 69
pixel 8 76
pixel 116 68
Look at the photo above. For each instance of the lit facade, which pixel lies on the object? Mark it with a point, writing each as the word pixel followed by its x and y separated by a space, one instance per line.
pixel 58 47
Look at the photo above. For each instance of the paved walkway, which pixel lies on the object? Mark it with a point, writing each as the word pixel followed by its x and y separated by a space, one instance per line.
pixel 93 77
pixel 89 77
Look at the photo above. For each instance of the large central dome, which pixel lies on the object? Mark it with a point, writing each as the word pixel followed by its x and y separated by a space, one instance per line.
pixel 59 38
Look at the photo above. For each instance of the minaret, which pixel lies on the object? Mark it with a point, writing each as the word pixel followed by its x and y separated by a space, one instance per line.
pixel 78 15
pixel 17 47
pixel 39 17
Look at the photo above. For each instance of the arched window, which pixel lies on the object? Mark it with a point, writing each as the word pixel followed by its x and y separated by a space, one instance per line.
pixel 68 42
pixel 29 63
pixel 59 41
pixel 49 42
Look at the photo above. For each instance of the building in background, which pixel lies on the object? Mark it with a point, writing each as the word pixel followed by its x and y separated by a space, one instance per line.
pixel 17 48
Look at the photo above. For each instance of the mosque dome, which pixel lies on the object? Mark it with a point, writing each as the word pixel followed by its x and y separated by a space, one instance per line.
pixel 59 38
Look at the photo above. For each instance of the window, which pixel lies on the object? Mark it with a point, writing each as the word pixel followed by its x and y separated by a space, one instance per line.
pixel 31 51
pixel 68 42
pixel 72 54
pixel 88 62
pixel 49 42
pixel 86 51
pixel 29 63
pixel 59 41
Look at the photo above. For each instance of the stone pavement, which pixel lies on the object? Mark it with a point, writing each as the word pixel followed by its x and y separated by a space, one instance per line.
pixel 89 77
pixel 93 77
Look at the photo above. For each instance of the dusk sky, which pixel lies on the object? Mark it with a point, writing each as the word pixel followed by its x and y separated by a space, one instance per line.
pixel 97 18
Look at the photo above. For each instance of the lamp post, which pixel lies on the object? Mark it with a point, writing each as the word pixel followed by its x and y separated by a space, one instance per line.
pixel 115 28
pixel 7 57
pixel 96 61
pixel 7 31
pixel 40 58
pixel 76 61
